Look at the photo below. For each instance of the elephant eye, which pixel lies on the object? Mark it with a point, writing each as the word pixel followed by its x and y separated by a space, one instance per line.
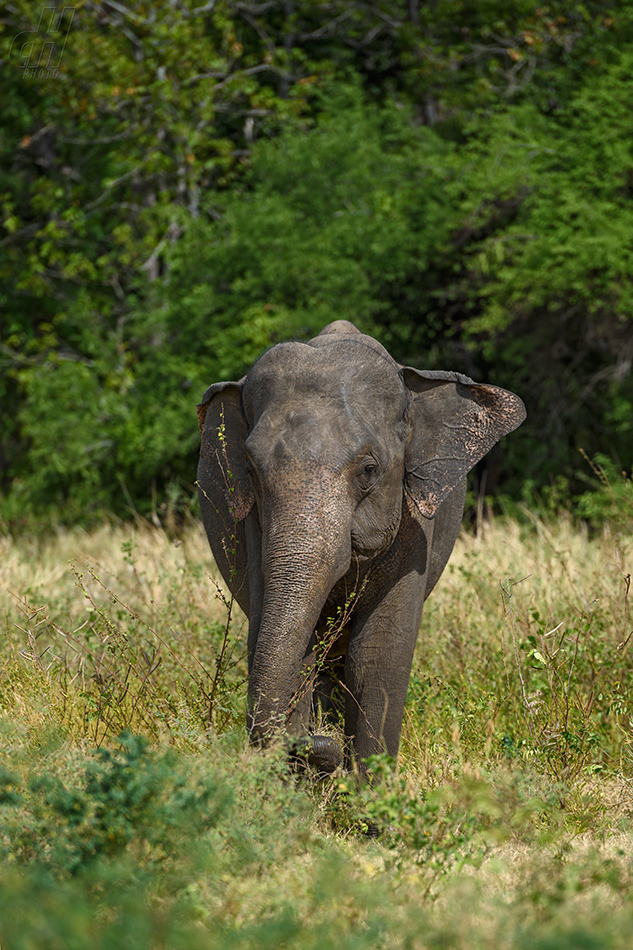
pixel 367 473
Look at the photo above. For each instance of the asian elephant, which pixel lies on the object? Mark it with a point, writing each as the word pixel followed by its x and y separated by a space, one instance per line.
pixel 332 483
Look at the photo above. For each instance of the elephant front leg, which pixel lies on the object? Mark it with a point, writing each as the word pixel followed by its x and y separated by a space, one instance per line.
pixel 378 667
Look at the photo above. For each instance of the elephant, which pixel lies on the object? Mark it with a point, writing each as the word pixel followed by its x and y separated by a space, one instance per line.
pixel 332 483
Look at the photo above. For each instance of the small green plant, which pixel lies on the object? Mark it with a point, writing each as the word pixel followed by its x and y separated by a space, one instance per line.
pixel 610 498
pixel 224 655
pixel 432 828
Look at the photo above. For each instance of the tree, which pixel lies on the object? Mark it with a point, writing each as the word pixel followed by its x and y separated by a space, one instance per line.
pixel 196 182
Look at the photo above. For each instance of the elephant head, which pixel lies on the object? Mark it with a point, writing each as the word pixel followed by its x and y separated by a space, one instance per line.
pixel 328 460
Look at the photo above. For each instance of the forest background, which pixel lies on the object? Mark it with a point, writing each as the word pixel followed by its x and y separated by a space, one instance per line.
pixel 183 184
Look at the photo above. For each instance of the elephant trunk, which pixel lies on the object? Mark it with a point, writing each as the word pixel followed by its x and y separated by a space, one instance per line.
pixel 297 580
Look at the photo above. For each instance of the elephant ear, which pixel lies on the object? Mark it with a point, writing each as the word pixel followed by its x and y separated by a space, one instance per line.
pixel 222 475
pixel 455 422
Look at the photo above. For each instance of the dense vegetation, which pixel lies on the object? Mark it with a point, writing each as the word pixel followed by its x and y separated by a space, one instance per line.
pixel 189 183
pixel 132 813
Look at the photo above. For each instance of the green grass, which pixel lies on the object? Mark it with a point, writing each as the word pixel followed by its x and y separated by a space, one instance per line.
pixel 132 811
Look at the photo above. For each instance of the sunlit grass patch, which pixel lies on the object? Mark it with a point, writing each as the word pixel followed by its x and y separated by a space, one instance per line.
pixel 525 656
pixel 121 628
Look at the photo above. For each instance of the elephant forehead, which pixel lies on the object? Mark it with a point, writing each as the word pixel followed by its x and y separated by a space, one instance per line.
pixel 347 378
pixel 306 432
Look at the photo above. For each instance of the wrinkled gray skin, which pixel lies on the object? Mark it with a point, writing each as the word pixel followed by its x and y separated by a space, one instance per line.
pixel 347 475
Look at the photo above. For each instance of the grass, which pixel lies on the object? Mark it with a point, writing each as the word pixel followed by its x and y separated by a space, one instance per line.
pixel 132 810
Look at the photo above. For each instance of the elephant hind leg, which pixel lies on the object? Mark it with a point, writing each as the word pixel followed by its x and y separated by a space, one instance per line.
pixel 319 702
pixel 320 697
pixel 328 700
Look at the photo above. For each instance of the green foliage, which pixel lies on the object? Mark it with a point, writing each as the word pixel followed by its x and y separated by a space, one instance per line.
pixel 437 828
pixel 127 802
pixel 611 497
pixel 102 165
pixel 127 846
pixel 330 224
pixel 191 186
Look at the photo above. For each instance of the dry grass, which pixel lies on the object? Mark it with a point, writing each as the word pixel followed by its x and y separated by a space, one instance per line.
pixel 509 823
pixel 137 560
pixel 120 628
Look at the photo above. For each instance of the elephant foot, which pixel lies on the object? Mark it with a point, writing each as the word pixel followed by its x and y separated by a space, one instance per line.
pixel 372 830
pixel 321 752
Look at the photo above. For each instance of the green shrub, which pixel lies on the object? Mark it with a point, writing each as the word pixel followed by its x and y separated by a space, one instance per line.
pixel 610 499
